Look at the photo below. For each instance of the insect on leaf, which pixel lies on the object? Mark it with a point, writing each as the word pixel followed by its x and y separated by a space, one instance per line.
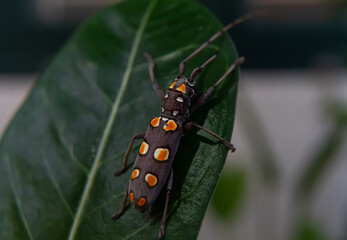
pixel 58 155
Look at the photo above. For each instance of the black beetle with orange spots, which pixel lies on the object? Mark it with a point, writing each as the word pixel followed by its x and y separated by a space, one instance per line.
pixel 153 166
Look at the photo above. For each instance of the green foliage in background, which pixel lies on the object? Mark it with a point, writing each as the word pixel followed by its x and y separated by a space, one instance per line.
pixel 229 193
pixel 309 230
pixel 325 156
pixel 58 156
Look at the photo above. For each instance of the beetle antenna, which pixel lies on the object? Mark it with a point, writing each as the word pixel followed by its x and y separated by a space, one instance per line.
pixel 197 70
pixel 219 33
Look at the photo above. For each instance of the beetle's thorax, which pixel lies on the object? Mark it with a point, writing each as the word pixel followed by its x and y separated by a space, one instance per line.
pixel 177 99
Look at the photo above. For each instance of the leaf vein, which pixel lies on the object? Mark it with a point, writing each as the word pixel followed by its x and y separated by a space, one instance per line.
pixel 115 156
pixel 17 200
pixel 107 131
pixel 61 137
pixel 95 86
pixel 57 188
pixel 175 54
pixel 102 205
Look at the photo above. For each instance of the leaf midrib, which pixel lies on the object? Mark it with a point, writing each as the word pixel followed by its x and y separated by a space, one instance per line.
pixel 110 122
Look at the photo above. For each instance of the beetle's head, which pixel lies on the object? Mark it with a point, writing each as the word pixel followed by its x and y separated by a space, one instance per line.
pixel 187 85
pixel 184 85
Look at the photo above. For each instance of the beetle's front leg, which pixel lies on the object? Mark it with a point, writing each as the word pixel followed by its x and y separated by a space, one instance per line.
pixel 189 126
pixel 209 91
pixel 120 171
pixel 155 85
pixel 163 221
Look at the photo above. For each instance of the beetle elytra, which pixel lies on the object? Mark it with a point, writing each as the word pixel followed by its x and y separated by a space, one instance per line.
pixel 153 166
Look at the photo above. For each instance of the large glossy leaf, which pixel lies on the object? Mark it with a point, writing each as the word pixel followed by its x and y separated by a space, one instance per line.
pixel 60 151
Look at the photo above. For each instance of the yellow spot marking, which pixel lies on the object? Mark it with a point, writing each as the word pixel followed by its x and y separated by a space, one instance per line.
pixel 161 154
pixel 131 197
pixel 151 179
pixel 182 88
pixel 155 122
pixel 135 174
pixel 170 126
pixel 172 84
pixel 141 202
pixel 144 148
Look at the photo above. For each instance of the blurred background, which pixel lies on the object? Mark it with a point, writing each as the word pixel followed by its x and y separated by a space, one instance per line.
pixel 288 177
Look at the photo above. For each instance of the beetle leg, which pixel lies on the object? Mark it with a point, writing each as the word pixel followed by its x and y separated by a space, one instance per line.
pixel 209 91
pixel 120 212
pixel 189 126
pixel 155 85
pixel 163 221
pixel 197 70
pixel 120 171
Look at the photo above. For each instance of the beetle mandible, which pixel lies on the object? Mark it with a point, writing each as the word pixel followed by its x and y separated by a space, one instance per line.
pixel 153 166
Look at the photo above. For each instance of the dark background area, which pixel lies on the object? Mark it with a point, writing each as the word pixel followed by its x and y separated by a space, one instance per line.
pixel 299 35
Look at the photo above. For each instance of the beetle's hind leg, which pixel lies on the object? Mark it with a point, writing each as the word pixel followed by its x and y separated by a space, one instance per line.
pixel 120 171
pixel 163 222
pixel 155 85
pixel 120 212
pixel 189 126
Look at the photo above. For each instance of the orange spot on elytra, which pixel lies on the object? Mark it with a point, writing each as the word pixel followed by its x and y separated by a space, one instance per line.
pixel 182 88
pixel 161 154
pixel 172 84
pixel 141 202
pixel 131 196
pixel 151 179
pixel 144 148
pixel 170 125
pixel 135 174
pixel 155 122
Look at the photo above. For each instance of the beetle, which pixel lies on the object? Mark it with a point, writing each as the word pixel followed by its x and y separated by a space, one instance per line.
pixel 152 169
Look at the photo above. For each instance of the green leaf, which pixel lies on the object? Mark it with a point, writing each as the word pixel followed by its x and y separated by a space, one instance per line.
pixel 310 230
pixel 320 162
pixel 230 192
pixel 327 150
pixel 252 124
pixel 61 149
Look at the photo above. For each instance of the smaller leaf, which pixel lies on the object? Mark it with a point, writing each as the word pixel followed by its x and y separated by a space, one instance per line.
pixel 259 140
pixel 324 158
pixel 337 110
pixel 229 193
pixel 308 230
